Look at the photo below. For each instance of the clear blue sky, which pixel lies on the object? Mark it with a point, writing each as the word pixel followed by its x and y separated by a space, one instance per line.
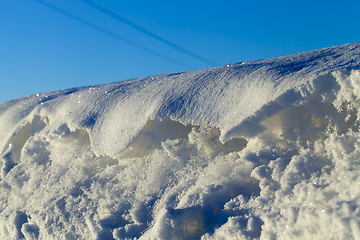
pixel 44 50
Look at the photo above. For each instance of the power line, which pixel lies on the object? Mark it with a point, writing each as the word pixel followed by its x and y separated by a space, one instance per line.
pixel 147 32
pixel 114 35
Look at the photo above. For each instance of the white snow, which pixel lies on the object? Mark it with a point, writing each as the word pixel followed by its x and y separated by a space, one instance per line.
pixel 265 149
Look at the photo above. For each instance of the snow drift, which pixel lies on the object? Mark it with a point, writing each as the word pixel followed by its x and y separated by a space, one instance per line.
pixel 264 149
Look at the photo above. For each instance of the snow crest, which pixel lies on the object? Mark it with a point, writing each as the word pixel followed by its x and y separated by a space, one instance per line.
pixel 264 149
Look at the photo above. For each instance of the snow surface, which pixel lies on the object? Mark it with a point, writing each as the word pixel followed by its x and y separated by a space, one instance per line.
pixel 264 149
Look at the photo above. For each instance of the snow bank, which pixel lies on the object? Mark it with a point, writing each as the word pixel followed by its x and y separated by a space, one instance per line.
pixel 263 149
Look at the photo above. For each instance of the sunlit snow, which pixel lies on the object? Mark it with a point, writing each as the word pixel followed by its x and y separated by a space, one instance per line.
pixel 265 149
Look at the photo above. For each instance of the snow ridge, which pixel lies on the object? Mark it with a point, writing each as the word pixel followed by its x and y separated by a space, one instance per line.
pixel 263 149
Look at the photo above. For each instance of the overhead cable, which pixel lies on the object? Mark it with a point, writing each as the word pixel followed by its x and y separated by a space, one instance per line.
pixel 114 35
pixel 147 32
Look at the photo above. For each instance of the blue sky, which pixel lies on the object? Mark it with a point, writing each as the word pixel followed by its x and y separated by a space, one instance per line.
pixel 43 50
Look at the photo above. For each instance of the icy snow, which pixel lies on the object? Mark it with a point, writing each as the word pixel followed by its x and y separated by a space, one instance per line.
pixel 265 149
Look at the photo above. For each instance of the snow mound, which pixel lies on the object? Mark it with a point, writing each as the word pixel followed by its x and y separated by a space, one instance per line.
pixel 264 149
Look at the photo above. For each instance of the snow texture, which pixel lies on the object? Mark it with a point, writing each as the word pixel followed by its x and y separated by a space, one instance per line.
pixel 266 149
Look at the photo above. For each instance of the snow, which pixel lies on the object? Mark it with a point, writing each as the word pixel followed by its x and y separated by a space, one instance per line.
pixel 264 149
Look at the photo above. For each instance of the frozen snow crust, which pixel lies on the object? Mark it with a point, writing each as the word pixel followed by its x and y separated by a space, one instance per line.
pixel 265 149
